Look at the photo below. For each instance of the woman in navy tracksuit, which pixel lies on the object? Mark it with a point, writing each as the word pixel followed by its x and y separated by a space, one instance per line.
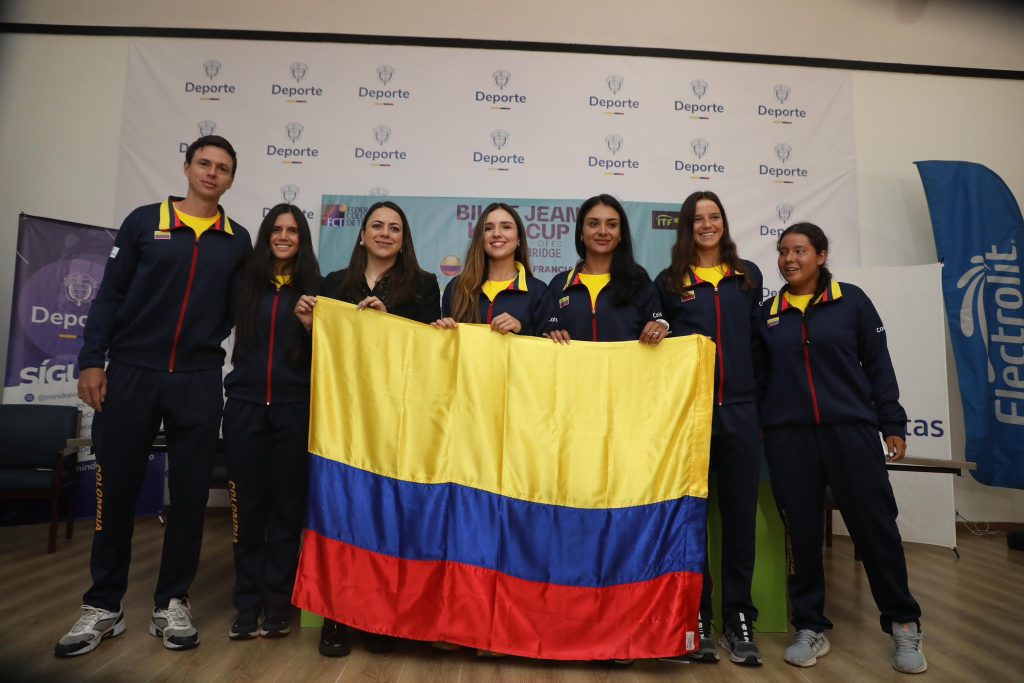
pixel 830 389
pixel 384 275
pixel 606 296
pixel 709 290
pixel 496 286
pixel 265 422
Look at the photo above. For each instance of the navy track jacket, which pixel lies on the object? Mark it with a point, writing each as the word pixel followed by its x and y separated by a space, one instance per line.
pixel 730 315
pixel 569 309
pixel 262 372
pixel 164 300
pixel 830 365
pixel 525 300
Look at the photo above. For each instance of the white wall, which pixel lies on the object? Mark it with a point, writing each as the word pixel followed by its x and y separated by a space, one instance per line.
pixel 61 98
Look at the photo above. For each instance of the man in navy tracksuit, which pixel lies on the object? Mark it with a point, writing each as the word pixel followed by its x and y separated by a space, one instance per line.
pixel 160 315
pixel 830 389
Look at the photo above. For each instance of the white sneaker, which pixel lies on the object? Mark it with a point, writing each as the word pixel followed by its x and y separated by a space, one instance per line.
pixel 908 657
pixel 174 625
pixel 92 627
pixel 807 646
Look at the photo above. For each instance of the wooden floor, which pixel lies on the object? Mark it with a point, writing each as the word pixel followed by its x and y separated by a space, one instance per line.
pixel 973 621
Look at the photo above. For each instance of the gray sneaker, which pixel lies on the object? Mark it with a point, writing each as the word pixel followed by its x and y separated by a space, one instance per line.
pixel 909 657
pixel 807 646
pixel 92 627
pixel 706 650
pixel 738 640
pixel 174 625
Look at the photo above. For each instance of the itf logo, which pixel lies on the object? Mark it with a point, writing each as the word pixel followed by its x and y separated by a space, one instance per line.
pixel 699 111
pixel 702 169
pixel 1001 272
pixel 614 105
pixel 614 144
pixel 382 95
pixel 780 113
pixel 210 91
pixel 501 101
pixel 784 213
pixel 294 94
pixel 380 157
pixel 782 174
pixel 293 154
pixel 664 220
pixel 499 162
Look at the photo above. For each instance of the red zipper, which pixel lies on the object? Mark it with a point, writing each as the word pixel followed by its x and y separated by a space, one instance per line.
pixel 270 352
pixel 721 355
pixel 810 375
pixel 490 310
pixel 184 304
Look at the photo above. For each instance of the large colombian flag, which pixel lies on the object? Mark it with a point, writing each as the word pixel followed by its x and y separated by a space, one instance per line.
pixel 506 493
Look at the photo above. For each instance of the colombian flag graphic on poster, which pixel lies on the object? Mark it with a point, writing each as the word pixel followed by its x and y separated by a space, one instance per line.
pixel 506 493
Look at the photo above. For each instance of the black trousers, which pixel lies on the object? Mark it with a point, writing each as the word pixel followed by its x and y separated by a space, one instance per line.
pixel 849 459
pixel 189 404
pixel 268 471
pixel 735 447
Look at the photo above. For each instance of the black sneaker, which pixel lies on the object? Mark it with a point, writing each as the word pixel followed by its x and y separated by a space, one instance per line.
pixel 334 639
pixel 275 624
pixel 707 651
pixel 378 643
pixel 245 627
pixel 738 640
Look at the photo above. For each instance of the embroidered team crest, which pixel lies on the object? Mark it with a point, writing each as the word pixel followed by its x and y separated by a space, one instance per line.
pixel 687 295
pixel 563 302
pixel 772 322
pixel 161 235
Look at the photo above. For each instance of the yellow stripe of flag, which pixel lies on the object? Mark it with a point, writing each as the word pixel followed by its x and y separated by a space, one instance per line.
pixel 585 425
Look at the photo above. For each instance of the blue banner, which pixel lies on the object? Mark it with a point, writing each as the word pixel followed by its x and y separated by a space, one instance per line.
pixel 978 231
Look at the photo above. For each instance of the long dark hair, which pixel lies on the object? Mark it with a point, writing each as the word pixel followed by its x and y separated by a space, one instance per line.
pixel 684 251
pixel 819 241
pixel 259 272
pixel 628 276
pixel 466 291
pixel 404 272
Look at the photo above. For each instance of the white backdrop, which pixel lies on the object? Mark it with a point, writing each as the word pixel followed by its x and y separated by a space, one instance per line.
pixel 909 301
pixel 313 119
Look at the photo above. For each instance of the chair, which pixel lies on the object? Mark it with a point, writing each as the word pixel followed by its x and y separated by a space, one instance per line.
pixel 35 460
